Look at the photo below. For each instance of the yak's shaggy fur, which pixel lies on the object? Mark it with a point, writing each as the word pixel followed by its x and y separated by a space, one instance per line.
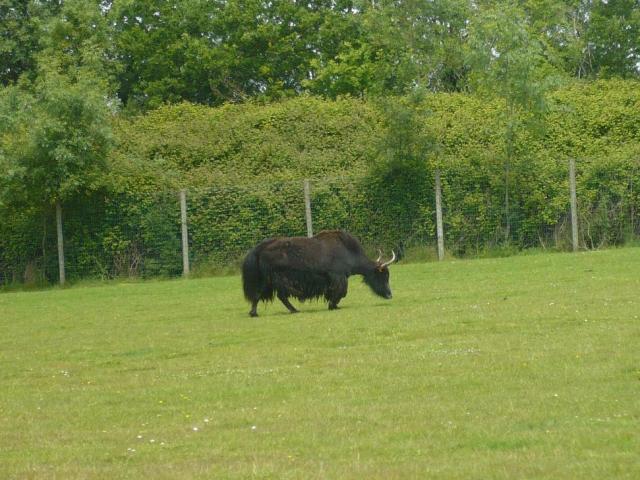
pixel 309 268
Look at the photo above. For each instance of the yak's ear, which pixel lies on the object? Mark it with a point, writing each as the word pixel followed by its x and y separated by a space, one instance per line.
pixel 379 268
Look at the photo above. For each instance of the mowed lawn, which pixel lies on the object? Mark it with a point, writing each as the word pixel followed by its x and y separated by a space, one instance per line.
pixel 522 367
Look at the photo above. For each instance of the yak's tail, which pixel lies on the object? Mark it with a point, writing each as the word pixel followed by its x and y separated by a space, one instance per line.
pixel 251 278
pixel 254 282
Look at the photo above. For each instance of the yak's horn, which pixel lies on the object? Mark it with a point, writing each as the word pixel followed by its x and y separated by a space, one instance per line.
pixel 393 259
pixel 379 256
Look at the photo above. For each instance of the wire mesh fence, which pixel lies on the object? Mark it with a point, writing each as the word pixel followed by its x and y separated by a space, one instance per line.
pixel 483 213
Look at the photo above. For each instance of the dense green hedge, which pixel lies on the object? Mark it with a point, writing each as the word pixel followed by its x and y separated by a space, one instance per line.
pixel 243 168
pixel 196 146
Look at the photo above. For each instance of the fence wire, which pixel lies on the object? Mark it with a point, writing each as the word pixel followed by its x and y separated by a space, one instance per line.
pixel 484 212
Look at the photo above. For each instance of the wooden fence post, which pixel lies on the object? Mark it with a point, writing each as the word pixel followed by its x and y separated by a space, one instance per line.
pixel 185 233
pixel 574 204
pixel 307 208
pixel 439 228
pixel 60 242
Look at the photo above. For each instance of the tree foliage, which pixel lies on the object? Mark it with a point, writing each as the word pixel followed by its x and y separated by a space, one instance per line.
pixel 59 143
pixel 21 29
pixel 215 52
pixel 55 136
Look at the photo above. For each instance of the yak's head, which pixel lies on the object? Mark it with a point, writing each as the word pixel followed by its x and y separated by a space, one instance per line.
pixel 378 278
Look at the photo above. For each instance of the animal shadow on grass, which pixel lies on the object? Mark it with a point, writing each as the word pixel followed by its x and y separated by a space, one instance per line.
pixel 318 309
pixel 303 310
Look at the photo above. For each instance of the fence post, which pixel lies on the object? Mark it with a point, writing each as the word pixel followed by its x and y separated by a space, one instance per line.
pixel 439 228
pixel 574 203
pixel 60 242
pixel 307 207
pixel 633 211
pixel 185 233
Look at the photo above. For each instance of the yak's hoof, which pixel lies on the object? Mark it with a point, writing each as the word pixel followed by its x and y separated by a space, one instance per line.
pixel 294 311
pixel 253 314
pixel 333 307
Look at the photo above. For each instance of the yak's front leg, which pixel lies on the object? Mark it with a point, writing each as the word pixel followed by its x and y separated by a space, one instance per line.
pixel 285 301
pixel 337 290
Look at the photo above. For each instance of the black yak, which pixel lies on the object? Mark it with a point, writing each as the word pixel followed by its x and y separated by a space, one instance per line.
pixel 308 268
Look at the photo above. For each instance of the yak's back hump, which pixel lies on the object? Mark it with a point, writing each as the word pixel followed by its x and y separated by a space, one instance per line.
pixel 340 236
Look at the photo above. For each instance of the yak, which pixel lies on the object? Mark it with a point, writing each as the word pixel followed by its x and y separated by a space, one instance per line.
pixel 310 268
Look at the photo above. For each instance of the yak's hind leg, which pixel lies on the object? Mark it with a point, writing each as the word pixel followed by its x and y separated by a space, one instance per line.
pixel 285 301
pixel 282 285
pixel 254 308
pixel 336 291
pixel 265 294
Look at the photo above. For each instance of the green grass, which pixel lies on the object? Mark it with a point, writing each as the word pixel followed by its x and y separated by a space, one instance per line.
pixel 522 367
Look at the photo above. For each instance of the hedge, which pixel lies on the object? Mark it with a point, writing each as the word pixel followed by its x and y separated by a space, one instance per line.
pixel 243 166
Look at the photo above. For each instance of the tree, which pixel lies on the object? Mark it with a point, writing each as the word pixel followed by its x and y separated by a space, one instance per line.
pixel 395 47
pixel 55 121
pixel 588 39
pixel 405 140
pixel 508 63
pixel 613 38
pixel 56 133
pixel 79 39
pixel 401 178
pixel 58 140
pixel 216 52
pixel 20 33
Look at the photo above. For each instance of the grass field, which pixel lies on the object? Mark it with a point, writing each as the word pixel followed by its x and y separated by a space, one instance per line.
pixel 521 367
